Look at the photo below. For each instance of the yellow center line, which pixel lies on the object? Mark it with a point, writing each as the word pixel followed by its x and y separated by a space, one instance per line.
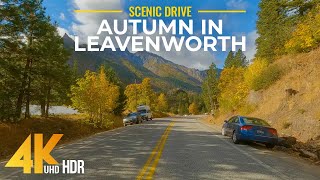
pixel 97 11
pixel 157 158
pixel 155 155
pixel 222 11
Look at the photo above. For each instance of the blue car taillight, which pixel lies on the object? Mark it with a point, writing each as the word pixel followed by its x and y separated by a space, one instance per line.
pixel 273 131
pixel 246 128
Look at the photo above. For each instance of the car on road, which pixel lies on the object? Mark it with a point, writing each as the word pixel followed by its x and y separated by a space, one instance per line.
pixel 132 118
pixel 145 112
pixel 241 128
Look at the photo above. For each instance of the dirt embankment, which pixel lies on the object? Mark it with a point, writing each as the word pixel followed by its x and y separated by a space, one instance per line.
pixel 292 104
pixel 73 127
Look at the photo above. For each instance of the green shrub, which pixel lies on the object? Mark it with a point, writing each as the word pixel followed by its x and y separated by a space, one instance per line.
pixel 267 77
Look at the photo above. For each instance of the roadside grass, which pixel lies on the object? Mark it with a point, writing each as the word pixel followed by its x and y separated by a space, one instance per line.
pixel 157 114
pixel 72 126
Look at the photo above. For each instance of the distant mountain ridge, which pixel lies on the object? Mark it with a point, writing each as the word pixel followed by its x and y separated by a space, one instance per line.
pixel 136 66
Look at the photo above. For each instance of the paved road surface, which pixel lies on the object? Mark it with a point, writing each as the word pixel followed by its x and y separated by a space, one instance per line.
pixel 184 149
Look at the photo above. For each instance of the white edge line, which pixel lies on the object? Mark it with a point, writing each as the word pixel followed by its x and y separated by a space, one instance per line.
pixel 282 176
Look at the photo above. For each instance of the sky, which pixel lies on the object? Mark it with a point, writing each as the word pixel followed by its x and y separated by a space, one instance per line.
pixel 86 24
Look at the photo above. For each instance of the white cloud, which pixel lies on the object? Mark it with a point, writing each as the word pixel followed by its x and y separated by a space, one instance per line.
pixel 237 4
pixel 63 31
pixel 88 23
pixel 62 16
pixel 251 44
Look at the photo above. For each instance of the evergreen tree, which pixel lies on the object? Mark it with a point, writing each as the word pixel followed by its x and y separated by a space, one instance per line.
pixel 229 60
pixel 240 60
pixel 210 90
pixel 52 76
pixel 272 28
pixel 32 56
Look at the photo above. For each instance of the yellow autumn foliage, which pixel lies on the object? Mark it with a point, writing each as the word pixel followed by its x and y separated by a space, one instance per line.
pixel 254 71
pixel 233 89
pixel 140 94
pixel 306 36
pixel 162 104
pixel 193 109
pixel 96 96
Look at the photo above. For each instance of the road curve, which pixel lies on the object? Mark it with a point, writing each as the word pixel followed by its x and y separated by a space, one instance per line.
pixel 188 149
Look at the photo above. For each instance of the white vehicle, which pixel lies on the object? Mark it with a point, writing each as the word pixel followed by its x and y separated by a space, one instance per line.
pixel 145 112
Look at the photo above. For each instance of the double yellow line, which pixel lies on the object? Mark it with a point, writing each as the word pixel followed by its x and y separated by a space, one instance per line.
pixel 149 168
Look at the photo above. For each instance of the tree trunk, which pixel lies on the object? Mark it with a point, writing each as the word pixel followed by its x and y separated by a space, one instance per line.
pixel 28 97
pixel 28 94
pixel 48 99
pixel 43 107
pixel 22 89
pixel 27 79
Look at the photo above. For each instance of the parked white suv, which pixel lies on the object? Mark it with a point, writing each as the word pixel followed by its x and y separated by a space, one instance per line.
pixel 145 112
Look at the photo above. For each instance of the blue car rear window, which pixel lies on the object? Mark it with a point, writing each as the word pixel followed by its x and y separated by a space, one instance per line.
pixel 142 111
pixel 255 121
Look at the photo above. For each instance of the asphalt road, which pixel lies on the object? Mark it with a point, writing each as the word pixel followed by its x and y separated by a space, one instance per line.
pixel 176 148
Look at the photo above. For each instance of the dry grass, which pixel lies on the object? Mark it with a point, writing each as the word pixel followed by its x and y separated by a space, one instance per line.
pixel 73 127
pixel 157 114
pixel 286 125
pixel 295 115
pixel 300 110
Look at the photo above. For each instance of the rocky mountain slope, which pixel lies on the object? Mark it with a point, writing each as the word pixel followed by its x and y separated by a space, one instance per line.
pixel 136 66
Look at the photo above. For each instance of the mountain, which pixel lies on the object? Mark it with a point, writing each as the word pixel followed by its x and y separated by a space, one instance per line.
pixel 136 66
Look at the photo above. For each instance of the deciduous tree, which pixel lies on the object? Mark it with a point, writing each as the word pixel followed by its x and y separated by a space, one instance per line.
pixel 95 95
pixel 162 104
pixel 193 109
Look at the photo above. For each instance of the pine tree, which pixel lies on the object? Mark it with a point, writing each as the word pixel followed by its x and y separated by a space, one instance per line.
pixel 240 60
pixel 24 52
pixel 210 90
pixel 229 60
pixel 52 76
pixel 272 28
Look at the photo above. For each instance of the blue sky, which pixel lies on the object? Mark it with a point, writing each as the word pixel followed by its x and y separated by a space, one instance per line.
pixel 61 11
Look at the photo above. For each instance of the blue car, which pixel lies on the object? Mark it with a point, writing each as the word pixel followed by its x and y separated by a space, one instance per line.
pixel 241 128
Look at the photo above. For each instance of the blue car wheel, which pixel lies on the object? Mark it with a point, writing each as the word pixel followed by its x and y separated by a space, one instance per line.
pixel 235 138
pixel 223 132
